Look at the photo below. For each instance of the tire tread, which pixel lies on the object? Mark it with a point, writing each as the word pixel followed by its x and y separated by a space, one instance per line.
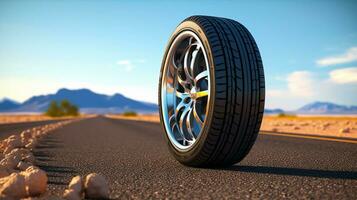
pixel 240 92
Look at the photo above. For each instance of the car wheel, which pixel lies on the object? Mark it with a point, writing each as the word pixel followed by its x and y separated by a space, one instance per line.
pixel 211 92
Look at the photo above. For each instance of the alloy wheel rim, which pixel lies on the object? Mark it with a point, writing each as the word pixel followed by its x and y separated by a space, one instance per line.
pixel 185 90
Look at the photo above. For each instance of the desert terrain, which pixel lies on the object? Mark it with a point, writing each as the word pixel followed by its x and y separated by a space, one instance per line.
pixel 334 126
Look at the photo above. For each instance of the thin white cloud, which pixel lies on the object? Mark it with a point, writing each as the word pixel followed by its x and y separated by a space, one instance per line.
pixel 300 83
pixel 345 75
pixel 126 64
pixel 349 56
pixel 129 65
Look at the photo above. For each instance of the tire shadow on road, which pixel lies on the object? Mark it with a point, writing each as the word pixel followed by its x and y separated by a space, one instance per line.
pixel 331 174
pixel 57 175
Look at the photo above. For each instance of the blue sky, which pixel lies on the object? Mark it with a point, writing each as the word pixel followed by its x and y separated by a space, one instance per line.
pixel 309 48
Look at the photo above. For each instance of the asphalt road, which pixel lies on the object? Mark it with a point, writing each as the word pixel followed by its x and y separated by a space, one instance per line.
pixel 134 158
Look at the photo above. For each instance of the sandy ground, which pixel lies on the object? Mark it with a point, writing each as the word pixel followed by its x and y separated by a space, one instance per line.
pixel 335 126
pixel 340 126
pixel 8 119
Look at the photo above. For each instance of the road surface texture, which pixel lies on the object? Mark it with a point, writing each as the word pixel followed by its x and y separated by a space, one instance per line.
pixel 134 158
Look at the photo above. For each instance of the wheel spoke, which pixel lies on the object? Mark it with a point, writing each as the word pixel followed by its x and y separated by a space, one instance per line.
pixel 182 82
pixel 183 117
pixel 181 95
pixel 201 75
pixel 197 117
pixel 179 107
pixel 174 125
pixel 188 124
pixel 185 65
pixel 193 60
pixel 174 62
pixel 191 42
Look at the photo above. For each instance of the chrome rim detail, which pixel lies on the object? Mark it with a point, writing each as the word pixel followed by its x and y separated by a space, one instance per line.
pixel 185 90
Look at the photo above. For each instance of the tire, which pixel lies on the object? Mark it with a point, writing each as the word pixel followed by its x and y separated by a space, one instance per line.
pixel 211 121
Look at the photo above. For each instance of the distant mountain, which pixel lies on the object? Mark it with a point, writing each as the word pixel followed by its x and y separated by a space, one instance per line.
pixel 91 102
pixel 8 104
pixel 318 108
pixel 273 111
pixel 88 102
pixel 326 108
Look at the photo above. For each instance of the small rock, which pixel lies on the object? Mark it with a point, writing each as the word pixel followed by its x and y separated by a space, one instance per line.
pixel 36 181
pixel 71 194
pixel 14 141
pixel 3 172
pixel 19 153
pixel 32 143
pixel 96 186
pixel 296 128
pixel 8 149
pixel 23 165
pixel 76 184
pixel 30 158
pixel 26 134
pixel 13 186
pixel 274 129
pixel 344 130
pixel 37 133
pixel 10 162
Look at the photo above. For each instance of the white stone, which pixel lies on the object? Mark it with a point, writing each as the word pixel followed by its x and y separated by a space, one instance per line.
pixel 71 194
pixel 23 165
pixel 32 144
pixel 96 186
pixel 10 162
pixel 8 149
pixel 36 181
pixel 30 158
pixel 13 186
pixel 76 184
pixel 26 134
pixel 19 153
pixel 14 141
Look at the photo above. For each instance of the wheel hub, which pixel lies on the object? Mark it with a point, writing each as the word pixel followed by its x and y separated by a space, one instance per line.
pixel 185 90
